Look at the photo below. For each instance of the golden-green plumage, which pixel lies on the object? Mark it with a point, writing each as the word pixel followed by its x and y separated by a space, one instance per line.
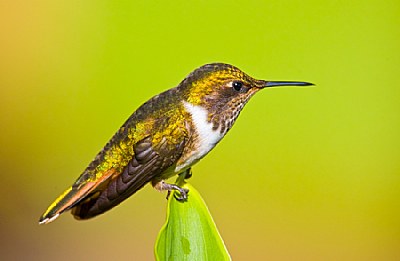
pixel 163 137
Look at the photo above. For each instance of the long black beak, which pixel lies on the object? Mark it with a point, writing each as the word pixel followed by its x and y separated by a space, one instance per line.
pixel 281 83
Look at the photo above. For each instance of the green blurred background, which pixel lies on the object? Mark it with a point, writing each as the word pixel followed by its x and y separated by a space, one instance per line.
pixel 305 174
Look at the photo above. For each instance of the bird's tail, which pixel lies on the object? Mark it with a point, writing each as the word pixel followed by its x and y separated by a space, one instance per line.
pixel 81 191
pixel 64 202
pixel 70 198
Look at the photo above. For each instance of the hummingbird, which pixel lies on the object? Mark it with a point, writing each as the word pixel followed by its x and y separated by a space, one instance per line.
pixel 164 137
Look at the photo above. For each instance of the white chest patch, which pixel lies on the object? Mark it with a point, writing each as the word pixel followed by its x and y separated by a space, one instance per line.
pixel 206 136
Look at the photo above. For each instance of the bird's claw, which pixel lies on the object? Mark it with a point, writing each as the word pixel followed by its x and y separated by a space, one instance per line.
pixel 183 194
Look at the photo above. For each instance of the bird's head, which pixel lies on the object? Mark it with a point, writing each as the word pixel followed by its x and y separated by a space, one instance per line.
pixel 223 90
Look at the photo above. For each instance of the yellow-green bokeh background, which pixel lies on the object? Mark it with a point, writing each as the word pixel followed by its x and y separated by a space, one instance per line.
pixel 305 174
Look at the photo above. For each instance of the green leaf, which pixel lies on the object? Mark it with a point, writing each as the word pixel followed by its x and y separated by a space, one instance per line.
pixel 189 232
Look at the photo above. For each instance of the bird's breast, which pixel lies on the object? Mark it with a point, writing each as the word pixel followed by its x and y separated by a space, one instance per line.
pixel 202 136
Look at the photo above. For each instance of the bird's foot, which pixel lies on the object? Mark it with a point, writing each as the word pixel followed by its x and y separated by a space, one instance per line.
pixel 162 185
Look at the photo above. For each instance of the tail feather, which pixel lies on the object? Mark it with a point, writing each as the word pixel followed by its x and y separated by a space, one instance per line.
pixel 74 195
pixel 66 201
pixel 62 203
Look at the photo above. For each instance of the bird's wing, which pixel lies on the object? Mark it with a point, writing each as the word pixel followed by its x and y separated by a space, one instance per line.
pixel 148 162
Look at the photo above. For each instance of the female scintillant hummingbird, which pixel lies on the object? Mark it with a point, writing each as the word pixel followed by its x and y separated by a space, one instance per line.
pixel 165 136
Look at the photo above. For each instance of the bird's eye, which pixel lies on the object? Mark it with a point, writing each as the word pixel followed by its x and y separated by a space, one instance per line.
pixel 237 86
